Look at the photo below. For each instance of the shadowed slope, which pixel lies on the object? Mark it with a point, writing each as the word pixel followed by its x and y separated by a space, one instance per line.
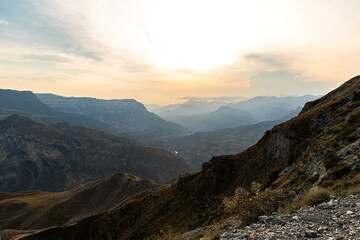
pixel 35 209
pixel 38 157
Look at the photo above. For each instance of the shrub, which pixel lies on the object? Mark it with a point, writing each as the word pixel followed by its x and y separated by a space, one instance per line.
pixel 249 205
pixel 331 160
pixel 315 197
pixel 339 171
pixel 352 138
pixel 314 178
pixel 356 96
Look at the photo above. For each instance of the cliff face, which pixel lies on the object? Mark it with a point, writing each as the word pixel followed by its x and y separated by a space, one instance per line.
pixel 37 157
pixel 319 147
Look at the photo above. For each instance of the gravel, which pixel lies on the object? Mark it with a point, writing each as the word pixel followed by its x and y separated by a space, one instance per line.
pixel 334 220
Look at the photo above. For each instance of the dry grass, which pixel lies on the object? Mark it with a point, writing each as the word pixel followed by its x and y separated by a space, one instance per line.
pixel 312 198
pixel 353 191
pixel 214 235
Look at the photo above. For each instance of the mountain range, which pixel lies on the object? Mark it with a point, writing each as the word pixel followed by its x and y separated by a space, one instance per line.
pixel 317 148
pixel 124 116
pixel 34 156
pixel 200 116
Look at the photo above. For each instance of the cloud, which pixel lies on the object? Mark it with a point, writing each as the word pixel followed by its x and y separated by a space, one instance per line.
pixel 285 83
pixel 3 22
pixel 272 61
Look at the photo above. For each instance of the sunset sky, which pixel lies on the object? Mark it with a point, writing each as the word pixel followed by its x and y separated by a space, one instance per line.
pixel 162 51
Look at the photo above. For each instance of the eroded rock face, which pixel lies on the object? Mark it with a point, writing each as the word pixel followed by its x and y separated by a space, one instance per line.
pixel 36 157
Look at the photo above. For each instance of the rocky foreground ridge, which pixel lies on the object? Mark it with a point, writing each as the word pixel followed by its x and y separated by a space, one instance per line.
pixel 333 220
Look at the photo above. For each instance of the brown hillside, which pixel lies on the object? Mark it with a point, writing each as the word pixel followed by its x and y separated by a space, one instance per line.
pixel 36 210
pixel 319 147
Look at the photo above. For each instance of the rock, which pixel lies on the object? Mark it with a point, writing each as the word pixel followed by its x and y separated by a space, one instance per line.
pixel 311 234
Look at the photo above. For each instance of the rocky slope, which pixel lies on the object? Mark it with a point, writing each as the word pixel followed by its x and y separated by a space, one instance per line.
pixel 37 157
pixel 319 147
pixel 124 115
pixel 334 220
pixel 36 210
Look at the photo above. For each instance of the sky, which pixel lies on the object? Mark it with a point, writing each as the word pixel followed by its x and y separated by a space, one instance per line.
pixel 166 51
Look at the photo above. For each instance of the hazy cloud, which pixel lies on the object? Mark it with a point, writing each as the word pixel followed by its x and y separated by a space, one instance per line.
pixel 285 83
pixel 269 60
pixel 3 22
pixel 224 98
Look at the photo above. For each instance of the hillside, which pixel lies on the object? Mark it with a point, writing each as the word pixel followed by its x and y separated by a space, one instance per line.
pixel 57 158
pixel 199 147
pixel 319 147
pixel 35 210
pixel 125 115
pixel 27 104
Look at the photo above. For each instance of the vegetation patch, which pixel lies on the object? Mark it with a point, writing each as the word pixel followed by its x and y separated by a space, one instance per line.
pixel 248 205
pixel 339 171
pixel 311 198
pixel 313 179
pixel 330 160
pixel 356 96
pixel 353 191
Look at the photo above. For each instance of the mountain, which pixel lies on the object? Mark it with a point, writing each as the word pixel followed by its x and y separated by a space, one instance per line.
pixel 265 108
pixel 199 147
pixel 188 108
pixel 317 148
pixel 35 210
pixel 57 158
pixel 126 115
pixel 223 117
pixel 27 104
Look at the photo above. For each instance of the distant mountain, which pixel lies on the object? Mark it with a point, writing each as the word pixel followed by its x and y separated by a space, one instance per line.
pixel 199 147
pixel 188 108
pixel 38 157
pixel 223 117
pixel 265 108
pixel 126 115
pixel 27 104
pixel 318 148
pixel 36 210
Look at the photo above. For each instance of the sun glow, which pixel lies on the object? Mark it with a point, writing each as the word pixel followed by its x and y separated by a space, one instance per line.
pixel 192 35
pixel 200 35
